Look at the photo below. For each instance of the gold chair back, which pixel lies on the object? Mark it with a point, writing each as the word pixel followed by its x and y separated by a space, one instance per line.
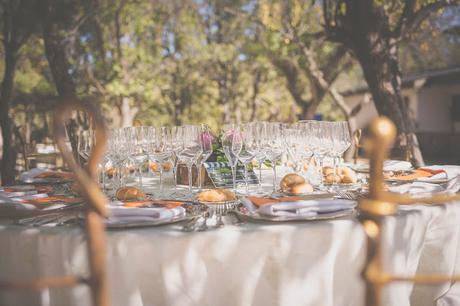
pixel 94 212
pixel 380 204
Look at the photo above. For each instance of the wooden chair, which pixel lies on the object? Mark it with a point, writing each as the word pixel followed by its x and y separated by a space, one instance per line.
pixel 94 212
pixel 380 204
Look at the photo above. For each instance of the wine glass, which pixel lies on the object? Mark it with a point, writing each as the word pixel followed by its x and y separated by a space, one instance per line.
pixel 273 145
pixel 232 143
pixel 249 149
pixel 260 155
pixel 138 139
pixel 176 143
pixel 341 140
pixel 206 139
pixel 162 150
pixel 191 149
pixel 294 146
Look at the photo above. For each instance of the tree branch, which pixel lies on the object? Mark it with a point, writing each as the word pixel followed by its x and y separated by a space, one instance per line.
pixel 408 11
pixel 419 16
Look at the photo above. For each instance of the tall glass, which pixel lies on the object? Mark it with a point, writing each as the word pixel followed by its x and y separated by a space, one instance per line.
pixel 273 145
pixel 176 142
pixel 250 148
pixel 191 150
pixel 232 143
pixel 206 139
pixel 162 151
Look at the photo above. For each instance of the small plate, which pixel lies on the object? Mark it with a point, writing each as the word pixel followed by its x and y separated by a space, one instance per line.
pixel 255 216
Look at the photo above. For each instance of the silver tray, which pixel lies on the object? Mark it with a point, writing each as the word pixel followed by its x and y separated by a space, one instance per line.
pixel 221 206
pixel 256 217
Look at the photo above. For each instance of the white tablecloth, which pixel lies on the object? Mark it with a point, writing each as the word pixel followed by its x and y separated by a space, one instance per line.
pixel 304 263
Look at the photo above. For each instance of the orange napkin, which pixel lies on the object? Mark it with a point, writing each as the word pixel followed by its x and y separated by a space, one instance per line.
pixel 38 188
pixel 258 201
pixel 40 202
pixel 418 173
pixel 167 204
pixel 56 174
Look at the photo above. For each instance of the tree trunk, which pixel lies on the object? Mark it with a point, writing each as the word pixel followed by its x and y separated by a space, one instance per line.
pixel 127 112
pixel 378 60
pixel 9 149
pixel 54 37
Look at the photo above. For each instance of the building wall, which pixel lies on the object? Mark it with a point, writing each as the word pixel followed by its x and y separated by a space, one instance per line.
pixel 433 108
pixel 367 112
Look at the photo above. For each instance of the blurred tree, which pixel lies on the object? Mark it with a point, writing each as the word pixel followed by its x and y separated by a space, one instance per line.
pixel 372 30
pixel 17 25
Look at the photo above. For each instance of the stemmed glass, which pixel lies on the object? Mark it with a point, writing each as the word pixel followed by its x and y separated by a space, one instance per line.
pixel 206 143
pixel 191 149
pixel 139 138
pixel 341 140
pixel 249 149
pixel 294 145
pixel 319 144
pixel 176 143
pixel 273 145
pixel 232 143
pixel 162 150
pixel 260 155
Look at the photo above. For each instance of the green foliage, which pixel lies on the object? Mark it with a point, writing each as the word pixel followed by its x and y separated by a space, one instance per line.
pixel 179 62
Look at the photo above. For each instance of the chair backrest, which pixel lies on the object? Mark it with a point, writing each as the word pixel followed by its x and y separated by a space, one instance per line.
pixel 95 208
pixel 380 204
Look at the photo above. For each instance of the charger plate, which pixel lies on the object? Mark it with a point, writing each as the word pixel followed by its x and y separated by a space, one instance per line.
pixel 244 214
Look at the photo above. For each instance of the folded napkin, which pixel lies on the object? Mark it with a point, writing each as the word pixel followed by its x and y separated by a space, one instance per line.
pixel 122 214
pixel 420 173
pixel 308 208
pixel 39 174
pixel 441 172
pixel 396 165
pixel 388 165
pixel 417 187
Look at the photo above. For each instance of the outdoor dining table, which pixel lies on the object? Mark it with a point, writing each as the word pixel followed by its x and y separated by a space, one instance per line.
pixel 286 263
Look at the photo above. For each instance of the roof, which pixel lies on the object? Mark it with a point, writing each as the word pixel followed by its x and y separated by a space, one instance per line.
pixel 449 75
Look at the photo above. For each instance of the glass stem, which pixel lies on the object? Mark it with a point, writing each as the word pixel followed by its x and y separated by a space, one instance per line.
pixel 139 172
pixel 260 176
pixel 334 165
pixel 234 177
pixel 200 181
pixel 321 162
pixel 161 180
pixel 274 175
pixel 246 177
pixel 189 167
pixel 175 172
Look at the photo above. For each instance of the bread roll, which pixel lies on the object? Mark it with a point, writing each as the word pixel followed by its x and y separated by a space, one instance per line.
pixel 216 195
pixel 301 188
pixel 332 179
pixel 328 170
pixel 167 166
pixel 348 175
pixel 130 194
pixel 290 180
pixel 111 172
